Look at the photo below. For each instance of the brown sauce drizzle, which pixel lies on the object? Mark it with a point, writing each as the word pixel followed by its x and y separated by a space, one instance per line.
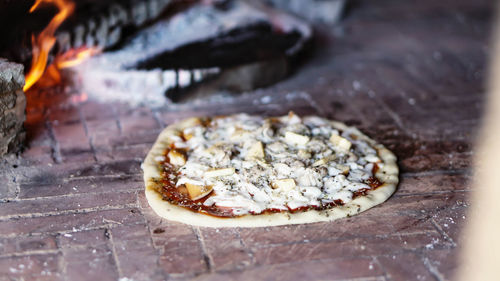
pixel 373 181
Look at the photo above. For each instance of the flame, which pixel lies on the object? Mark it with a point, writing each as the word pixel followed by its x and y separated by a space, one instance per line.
pixel 43 43
pixel 50 78
pixel 75 56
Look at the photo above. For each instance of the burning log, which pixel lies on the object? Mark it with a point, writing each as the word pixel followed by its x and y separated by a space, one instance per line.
pixel 104 24
pixel 12 106
pixel 205 41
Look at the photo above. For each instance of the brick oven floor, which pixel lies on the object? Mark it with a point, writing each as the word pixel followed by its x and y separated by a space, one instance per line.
pixel 410 75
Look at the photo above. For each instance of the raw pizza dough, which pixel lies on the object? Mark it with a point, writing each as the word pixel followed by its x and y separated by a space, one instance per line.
pixel 219 159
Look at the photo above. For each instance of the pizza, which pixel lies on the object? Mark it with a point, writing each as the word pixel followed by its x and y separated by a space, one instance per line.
pixel 251 171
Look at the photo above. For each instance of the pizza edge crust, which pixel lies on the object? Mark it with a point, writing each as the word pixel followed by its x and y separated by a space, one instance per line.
pixel 388 174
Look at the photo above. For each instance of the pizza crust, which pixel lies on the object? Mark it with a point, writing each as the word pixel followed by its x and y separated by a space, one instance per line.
pixel 388 174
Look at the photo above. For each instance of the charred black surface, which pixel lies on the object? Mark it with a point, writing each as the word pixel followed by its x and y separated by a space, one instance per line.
pixel 242 45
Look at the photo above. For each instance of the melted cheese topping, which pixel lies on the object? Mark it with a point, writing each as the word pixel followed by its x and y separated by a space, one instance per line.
pixel 254 164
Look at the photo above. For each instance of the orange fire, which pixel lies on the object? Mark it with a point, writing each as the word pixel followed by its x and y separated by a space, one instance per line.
pixel 75 56
pixel 43 42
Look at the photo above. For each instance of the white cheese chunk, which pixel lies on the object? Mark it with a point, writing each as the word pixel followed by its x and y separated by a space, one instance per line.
pixel 217 155
pixel 333 185
pixel 245 205
pixel 239 134
pixel 355 186
pixel 310 178
pixel 255 151
pixel 283 170
pixel 319 162
pixel 296 204
pixel 192 169
pixel 323 161
pixel 176 158
pixel 296 200
pixel 343 168
pixel 185 180
pixel 197 191
pixel 257 194
pixel 344 195
pixel 358 175
pixel 311 192
pixel 295 139
pixel 209 201
pixel 337 169
pixel 219 172
pixel 340 142
pixel 304 154
pixel 275 147
pixel 284 184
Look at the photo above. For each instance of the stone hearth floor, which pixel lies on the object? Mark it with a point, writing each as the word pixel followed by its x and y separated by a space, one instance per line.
pixel 409 75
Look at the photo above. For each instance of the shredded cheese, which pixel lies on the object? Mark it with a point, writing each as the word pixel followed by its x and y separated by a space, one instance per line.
pixel 253 164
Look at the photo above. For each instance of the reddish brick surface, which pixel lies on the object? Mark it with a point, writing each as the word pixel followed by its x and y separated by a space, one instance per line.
pixel 20 245
pixel 225 249
pixel 38 154
pixel 326 269
pixel 69 222
pixel 451 221
pixel 90 262
pixel 358 226
pixel 72 139
pixel 133 250
pixel 93 111
pixel 400 267
pixel 428 183
pixel 72 206
pixel 117 153
pixel 442 263
pixel 32 267
pixel 83 238
pixel 85 201
pixel 74 185
pixel 101 132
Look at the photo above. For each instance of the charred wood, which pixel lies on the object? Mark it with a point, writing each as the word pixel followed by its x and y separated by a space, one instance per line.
pixel 220 43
